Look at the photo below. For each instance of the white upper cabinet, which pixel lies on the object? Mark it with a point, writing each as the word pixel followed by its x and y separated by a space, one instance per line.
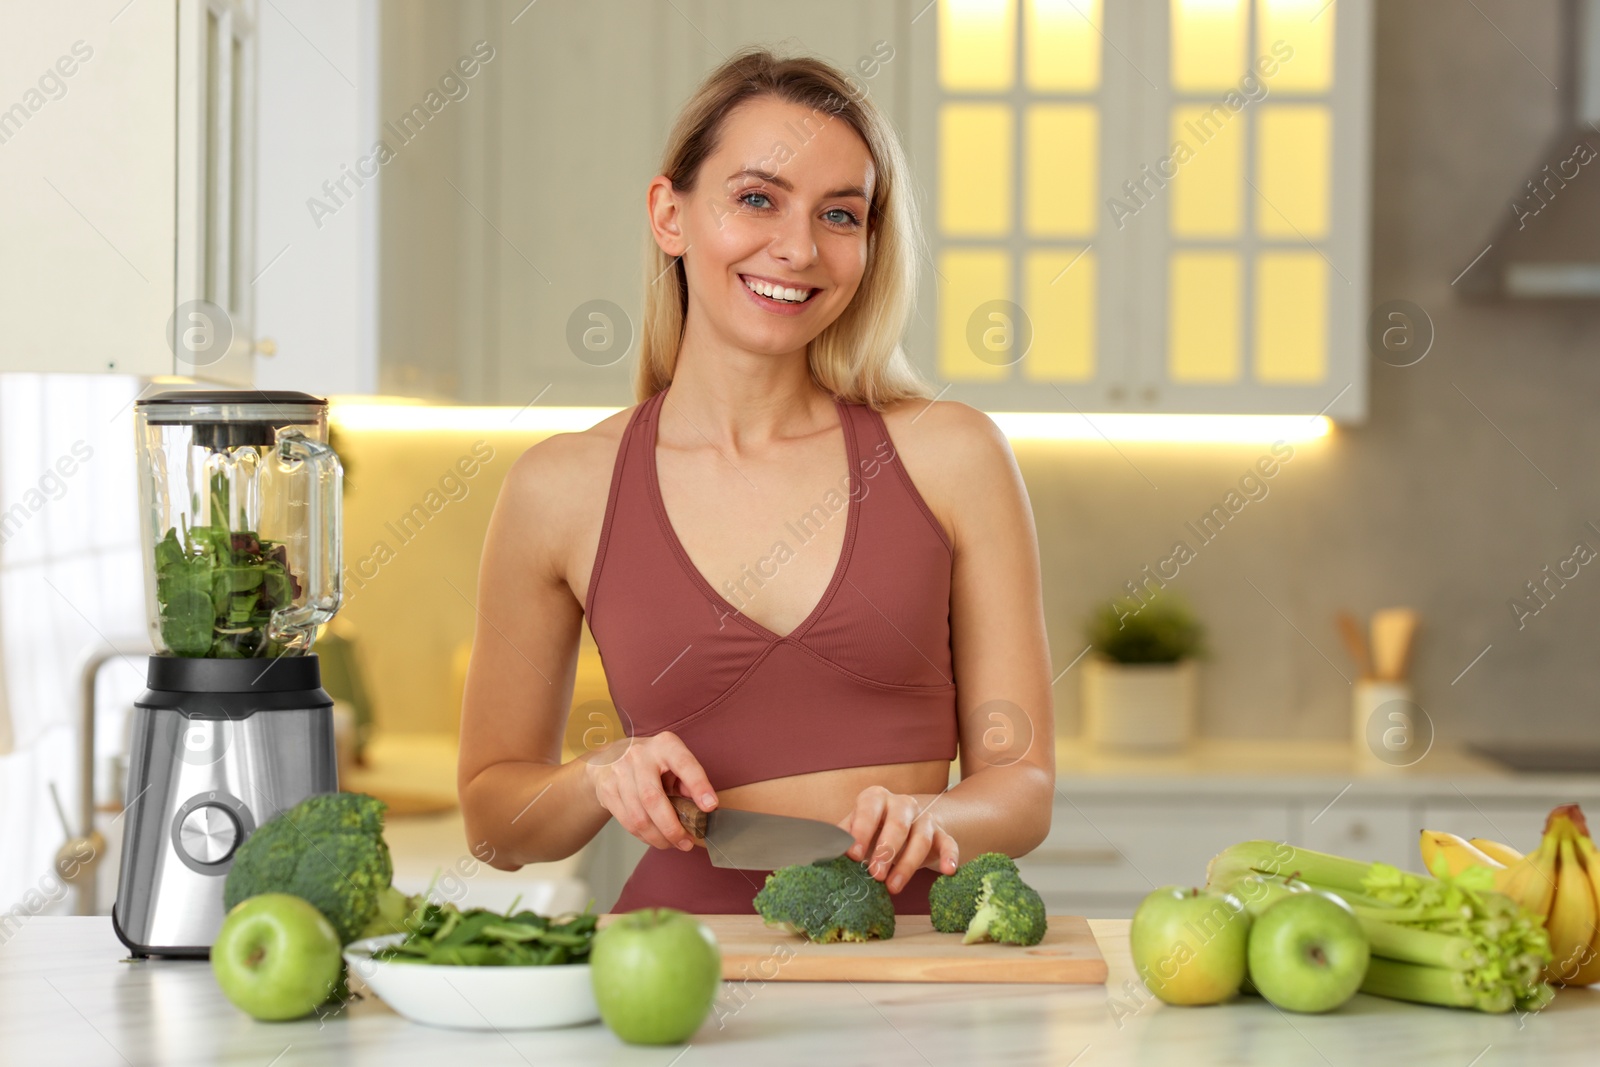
pixel 1146 205
pixel 126 141
pixel 515 230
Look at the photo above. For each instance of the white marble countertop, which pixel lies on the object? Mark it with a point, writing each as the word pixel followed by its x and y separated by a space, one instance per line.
pixel 66 997
pixel 1314 768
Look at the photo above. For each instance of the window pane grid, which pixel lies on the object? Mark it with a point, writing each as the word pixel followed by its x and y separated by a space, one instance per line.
pixel 1019 196
pixel 1284 153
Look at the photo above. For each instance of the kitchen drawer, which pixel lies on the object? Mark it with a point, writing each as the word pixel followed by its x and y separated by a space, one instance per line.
pixel 1373 831
pixel 1106 847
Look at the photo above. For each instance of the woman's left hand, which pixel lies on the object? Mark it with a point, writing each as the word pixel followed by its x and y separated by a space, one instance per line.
pixel 896 836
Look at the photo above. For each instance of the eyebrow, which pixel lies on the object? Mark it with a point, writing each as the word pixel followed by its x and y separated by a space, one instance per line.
pixel 787 186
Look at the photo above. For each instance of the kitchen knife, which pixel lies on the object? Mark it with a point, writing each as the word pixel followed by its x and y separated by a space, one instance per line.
pixel 757 841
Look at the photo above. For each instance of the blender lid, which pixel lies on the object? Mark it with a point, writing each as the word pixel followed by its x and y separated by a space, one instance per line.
pixel 204 402
pixel 230 418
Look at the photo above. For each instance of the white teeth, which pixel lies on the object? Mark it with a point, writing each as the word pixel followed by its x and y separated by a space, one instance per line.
pixel 777 292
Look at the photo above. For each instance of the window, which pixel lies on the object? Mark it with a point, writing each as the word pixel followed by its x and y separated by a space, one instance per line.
pixel 1147 205
pixel 1018 189
pixel 71 570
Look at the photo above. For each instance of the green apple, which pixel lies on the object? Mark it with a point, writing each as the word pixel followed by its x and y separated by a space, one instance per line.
pixel 1308 953
pixel 655 973
pixel 276 956
pixel 1189 945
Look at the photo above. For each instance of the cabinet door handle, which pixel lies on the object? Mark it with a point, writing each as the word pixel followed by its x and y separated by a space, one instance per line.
pixel 1083 856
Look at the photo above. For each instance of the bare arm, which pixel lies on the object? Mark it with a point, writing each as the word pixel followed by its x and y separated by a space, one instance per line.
pixel 1002 668
pixel 521 803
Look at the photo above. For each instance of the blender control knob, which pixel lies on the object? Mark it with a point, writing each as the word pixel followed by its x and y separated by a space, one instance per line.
pixel 209 834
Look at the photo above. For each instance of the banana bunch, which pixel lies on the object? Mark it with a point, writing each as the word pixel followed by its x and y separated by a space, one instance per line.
pixel 1559 882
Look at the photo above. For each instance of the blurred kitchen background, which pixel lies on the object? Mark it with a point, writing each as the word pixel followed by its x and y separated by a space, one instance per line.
pixel 1372 268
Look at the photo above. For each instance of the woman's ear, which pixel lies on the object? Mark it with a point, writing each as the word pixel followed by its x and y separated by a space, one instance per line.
pixel 666 216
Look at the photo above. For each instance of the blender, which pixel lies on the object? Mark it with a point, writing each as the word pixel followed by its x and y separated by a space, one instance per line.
pixel 240 501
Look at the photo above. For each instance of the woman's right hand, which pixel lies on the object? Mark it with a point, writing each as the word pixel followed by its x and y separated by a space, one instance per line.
pixel 632 777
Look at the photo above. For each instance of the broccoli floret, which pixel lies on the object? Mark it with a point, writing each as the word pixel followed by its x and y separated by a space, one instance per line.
pixel 829 900
pixel 328 850
pixel 954 897
pixel 1008 910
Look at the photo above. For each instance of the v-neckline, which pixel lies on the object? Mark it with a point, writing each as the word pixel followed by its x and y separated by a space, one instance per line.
pixel 653 481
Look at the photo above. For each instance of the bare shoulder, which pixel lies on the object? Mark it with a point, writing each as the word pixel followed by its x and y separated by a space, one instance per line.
pixel 565 462
pixel 953 436
pixel 557 489
pixel 955 455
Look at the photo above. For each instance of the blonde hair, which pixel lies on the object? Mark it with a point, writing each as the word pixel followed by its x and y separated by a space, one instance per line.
pixel 858 357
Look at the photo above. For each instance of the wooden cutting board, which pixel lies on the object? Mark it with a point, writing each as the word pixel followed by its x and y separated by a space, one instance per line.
pixel 916 953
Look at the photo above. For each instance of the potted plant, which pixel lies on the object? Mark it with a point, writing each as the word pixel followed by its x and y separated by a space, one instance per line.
pixel 1140 682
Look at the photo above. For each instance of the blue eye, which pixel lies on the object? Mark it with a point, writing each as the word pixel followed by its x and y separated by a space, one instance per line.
pixel 850 218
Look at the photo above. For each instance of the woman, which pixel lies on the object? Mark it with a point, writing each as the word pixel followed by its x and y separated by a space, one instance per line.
pixel 807 580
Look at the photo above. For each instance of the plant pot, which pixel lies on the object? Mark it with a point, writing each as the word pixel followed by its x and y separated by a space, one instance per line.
pixel 1141 706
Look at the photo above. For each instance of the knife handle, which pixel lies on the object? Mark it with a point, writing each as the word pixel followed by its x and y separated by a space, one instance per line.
pixel 690 815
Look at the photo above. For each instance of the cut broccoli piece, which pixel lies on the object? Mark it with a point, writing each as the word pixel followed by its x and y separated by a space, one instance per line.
pixel 1008 910
pixel 328 850
pixel 954 897
pixel 829 900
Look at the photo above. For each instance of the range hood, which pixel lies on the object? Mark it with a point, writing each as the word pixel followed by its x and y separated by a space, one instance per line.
pixel 1548 246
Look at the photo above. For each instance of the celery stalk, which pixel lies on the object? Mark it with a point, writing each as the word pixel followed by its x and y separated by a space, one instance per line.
pixel 1272 857
pixel 1425 947
pixel 1414 982
pixel 1432 985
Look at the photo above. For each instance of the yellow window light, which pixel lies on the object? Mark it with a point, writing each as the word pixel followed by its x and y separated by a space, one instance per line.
pixel 1291 318
pixel 1208 189
pixel 1059 287
pixel 1208 44
pixel 1306 26
pixel 976 45
pixel 1203 300
pixel 1061 142
pixel 1294 148
pixel 975 338
pixel 1062 42
pixel 975 143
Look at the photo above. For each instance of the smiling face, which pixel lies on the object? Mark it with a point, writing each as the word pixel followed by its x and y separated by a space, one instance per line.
pixel 774 234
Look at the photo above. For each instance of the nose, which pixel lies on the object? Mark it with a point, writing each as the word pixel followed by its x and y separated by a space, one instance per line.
pixel 793 243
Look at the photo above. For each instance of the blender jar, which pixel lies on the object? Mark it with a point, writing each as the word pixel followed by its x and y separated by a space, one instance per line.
pixel 240 496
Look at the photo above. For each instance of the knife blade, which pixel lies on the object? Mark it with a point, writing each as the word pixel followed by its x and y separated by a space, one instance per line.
pixel 758 841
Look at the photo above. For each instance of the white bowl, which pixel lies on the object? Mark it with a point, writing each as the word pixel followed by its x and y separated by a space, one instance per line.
pixel 476 998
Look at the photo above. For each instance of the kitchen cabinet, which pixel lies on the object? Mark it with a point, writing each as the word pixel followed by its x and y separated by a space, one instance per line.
pixel 127 135
pixel 1377 830
pixel 1116 848
pixel 1123 825
pixel 1145 206
pixel 514 228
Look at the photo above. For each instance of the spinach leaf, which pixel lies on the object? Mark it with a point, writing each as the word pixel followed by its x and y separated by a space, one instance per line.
pixel 443 935
pixel 217 588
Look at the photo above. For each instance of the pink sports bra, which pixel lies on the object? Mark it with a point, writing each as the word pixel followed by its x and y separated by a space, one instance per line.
pixel 865 679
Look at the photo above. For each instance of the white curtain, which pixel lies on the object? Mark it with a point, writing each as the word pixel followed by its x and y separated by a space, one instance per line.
pixel 70 573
